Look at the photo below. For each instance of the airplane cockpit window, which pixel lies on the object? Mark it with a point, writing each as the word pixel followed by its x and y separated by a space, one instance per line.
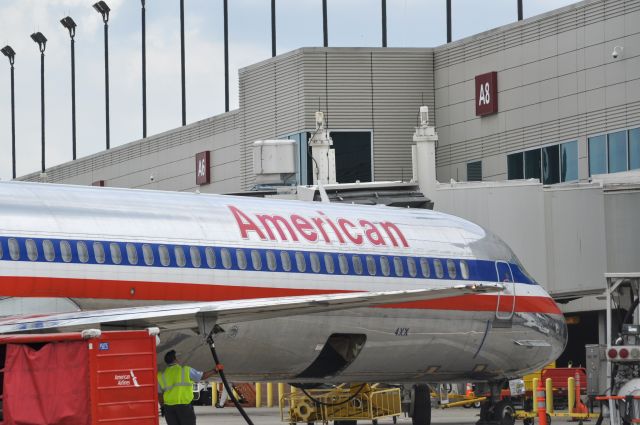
pixel 424 267
pixel 398 267
pixel 464 269
pixel 241 258
pixel 83 251
pixel 210 255
pixel 286 261
pixel 371 265
pixel 98 252
pixel 194 254
pixel 116 254
pixel 49 251
pixel 14 249
pixel 65 251
pixel 411 266
pixel 315 262
pixel 342 262
pixel 301 263
pixel 271 260
pixel 328 263
pixel 147 254
pixel 226 258
pixel 451 269
pixel 32 250
pixel 357 264
pixel 437 264
pixel 181 260
pixel 384 265
pixel 163 252
pixel 132 254
pixel 256 259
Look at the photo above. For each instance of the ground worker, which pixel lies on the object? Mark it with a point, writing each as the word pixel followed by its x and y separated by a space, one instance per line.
pixel 175 388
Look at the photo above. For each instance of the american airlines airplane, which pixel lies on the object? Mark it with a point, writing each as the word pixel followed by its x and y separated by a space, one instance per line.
pixel 292 291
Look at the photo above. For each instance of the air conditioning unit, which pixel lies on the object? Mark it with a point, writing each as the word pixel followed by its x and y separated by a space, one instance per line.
pixel 274 161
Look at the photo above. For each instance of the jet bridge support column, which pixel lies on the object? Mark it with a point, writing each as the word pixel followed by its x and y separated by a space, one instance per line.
pixel 425 140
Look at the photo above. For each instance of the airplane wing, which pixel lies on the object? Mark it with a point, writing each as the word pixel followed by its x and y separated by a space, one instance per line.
pixel 187 315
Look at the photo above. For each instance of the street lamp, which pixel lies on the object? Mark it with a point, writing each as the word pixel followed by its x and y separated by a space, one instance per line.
pixel 41 40
pixel 70 25
pixel 102 8
pixel 144 71
pixel 182 66
pixel 11 55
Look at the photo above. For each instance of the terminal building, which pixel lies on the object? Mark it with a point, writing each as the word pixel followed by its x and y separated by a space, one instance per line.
pixel 539 139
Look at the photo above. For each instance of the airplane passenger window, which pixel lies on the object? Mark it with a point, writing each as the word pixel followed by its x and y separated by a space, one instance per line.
pixel 132 254
pixel 98 252
pixel 397 265
pixel 384 265
pixel 464 269
pixel 65 251
pixel 301 262
pixel 114 249
pixel 424 267
pixel 1 250
pixel 315 262
pixel 14 249
pixel 342 262
pixel 451 268
pixel 411 265
pixel 286 260
pixel 163 252
pixel 271 260
pixel 357 264
pixel 256 259
pixel 328 263
pixel 241 257
pixel 438 266
pixel 211 257
pixel 371 265
pixel 181 260
pixel 147 254
pixel 32 250
pixel 194 253
pixel 226 258
pixel 83 251
pixel 49 251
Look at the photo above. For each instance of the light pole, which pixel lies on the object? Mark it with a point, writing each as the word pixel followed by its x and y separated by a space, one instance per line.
pixel 11 54
pixel 273 28
pixel 144 70
pixel 225 12
pixel 102 8
pixel 41 40
pixel 70 25
pixel 184 95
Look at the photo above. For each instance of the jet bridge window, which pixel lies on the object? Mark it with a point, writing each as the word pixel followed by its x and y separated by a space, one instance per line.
pixel 163 253
pixel 181 259
pixel 371 265
pixel 437 264
pixel 464 269
pixel 451 269
pixel 65 251
pixel 241 258
pixel 116 254
pixel 98 252
pixel 32 250
pixel 147 254
pixel 83 251
pixel 132 254
pixel 397 265
pixel 315 262
pixel 226 258
pixel 342 262
pixel 14 249
pixel 384 265
pixel 272 263
pixel 411 266
pixel 256 259
pixel 328 263
pixel 424 267
pixel 210 255
pixel 357 264
pixel 301 263
pixel 194 254
pixel 49 251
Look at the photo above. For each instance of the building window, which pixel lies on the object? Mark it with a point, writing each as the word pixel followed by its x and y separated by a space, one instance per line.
pixel 550 158
pixel 569 161
pixel 353 156
pixel 532 164
pixel 634 149
pixel 474 171
pixel 515 166
pixel 617 151
pixel 597 155
pixel 550 164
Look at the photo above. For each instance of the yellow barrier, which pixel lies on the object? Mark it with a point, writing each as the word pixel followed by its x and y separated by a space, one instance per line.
pixel 549 393
pixel 214 393
pixel 535 385
pixel 269 394
pixel 258 394
pixel 280 394
pixel 571 393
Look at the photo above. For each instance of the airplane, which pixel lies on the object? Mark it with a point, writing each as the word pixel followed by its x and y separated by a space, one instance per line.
pixel 291 291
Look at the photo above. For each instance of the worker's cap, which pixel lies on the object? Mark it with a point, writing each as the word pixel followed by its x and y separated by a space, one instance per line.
pixel 170 357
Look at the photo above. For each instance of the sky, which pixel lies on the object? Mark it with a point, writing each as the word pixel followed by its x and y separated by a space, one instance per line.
pixel 410 23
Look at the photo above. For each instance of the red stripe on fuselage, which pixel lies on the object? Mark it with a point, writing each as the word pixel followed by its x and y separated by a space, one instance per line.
pixel 21 286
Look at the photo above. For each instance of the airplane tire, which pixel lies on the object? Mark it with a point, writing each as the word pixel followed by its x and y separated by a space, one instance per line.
pixel 504 413
pixel 421 405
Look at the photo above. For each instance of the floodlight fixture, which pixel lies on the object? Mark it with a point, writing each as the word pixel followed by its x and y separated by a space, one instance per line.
pixel 9 53
pixel 69 24
pixel 102 8
pixel 39 38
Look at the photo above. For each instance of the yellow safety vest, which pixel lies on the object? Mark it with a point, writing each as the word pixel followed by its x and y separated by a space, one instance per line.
pixel 176 385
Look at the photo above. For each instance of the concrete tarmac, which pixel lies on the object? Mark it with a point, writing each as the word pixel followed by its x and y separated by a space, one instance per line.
pixel 271 416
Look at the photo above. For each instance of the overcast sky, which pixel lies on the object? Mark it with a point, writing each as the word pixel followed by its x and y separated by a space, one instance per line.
pixel 411 23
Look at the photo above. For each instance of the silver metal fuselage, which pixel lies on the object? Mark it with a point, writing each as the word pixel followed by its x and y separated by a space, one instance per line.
pixel 475 337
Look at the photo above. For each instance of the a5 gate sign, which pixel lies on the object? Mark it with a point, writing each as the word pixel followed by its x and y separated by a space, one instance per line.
pixel 487 93
pixel 203 171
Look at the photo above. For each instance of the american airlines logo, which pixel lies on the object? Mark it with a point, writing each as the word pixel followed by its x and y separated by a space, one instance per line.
pixel 296 228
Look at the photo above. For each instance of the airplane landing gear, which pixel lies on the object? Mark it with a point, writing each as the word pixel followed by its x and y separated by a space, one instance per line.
pixel 495 411
pixel 421 403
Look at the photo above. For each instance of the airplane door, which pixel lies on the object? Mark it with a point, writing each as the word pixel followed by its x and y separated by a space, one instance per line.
pixel 507 297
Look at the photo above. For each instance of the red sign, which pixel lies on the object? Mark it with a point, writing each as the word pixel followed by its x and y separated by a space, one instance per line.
pixel 487 93
pixel 203 171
